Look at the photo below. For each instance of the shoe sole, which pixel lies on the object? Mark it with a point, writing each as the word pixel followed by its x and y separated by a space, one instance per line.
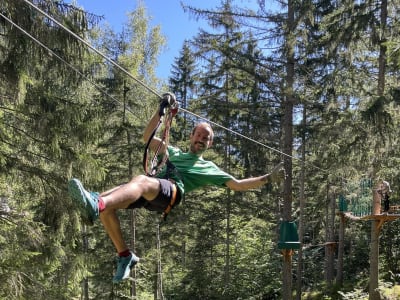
pixel 75 190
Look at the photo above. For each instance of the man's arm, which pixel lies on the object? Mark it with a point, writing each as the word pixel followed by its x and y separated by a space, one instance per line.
pixel 276 175
pixel 149 130
pixel 167 100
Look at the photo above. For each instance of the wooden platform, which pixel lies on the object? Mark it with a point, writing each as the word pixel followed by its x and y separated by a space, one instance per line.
pixel 382 217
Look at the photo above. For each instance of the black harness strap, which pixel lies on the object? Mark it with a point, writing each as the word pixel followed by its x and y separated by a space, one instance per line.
pixel 157 164
pixel 170 171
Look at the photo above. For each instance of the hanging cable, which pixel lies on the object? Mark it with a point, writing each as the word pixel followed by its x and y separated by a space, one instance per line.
pixel 146 86
pixel 137 80
pixel 94 49
pixel 64 61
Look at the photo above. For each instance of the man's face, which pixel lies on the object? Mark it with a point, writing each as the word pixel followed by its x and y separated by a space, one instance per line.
pixel 200 139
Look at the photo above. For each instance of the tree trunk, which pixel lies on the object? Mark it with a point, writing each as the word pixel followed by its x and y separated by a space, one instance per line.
pixel 287 269
pixel 374 249
pixel 85 283
pixel 382 49
pixel 227 167
pixel 330 243
pixel 133 212
pixel 342 228
pixel 228 242
pixel 133 245
pixel 288 144
pixel 302 203
pixel 374 262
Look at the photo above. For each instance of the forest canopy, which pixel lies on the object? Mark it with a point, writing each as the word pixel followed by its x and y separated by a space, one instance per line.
pixel 313 84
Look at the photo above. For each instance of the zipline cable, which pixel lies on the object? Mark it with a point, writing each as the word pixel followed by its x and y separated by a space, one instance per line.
pixel 145 85
pixel 239 134
pixel 259 143
pixel 94 49
pixel 63 60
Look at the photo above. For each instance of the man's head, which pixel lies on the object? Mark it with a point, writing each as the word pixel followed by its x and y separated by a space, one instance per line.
pixel 201 138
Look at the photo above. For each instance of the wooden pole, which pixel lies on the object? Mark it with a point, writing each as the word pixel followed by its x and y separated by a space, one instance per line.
pixel 374 261
pixel 374 249
pixel 376 202
pixel 287 269
pixel 342 227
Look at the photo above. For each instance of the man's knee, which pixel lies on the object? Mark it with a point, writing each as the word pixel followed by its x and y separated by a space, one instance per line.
pixel 149 187
pixel 144 181
pixel 139 179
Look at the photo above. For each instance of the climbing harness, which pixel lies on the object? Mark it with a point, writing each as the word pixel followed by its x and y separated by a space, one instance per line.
pixel 153 164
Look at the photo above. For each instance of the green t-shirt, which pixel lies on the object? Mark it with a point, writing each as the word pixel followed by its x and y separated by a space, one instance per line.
pixel 193 172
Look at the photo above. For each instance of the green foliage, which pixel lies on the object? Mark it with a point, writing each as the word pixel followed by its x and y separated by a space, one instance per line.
pixel 57 123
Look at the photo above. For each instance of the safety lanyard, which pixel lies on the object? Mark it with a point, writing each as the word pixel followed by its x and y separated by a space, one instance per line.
pixel 153 165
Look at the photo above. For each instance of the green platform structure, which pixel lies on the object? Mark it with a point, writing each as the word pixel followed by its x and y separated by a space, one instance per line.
pixel 288 236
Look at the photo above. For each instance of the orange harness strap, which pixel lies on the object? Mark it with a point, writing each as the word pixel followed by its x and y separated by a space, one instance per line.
pixel 171 203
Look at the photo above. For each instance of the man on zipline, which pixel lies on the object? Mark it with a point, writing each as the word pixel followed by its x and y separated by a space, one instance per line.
pixel 184 172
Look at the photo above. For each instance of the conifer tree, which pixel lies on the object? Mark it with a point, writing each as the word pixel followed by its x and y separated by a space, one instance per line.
pixel 230 95
pixel 182 82
pixel 44 121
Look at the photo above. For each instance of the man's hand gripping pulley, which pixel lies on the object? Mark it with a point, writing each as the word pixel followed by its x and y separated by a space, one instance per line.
pixel 168 101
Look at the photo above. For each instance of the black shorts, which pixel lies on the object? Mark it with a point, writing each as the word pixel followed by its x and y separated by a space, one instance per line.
pixel 162 200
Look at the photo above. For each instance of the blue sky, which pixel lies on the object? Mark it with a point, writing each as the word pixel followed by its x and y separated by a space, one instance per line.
pixel 175 25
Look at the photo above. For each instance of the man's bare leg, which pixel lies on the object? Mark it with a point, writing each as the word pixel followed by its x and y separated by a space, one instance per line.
pixel 92 206
pixel 121 198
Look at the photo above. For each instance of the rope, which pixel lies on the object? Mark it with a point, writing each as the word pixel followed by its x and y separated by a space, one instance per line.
pixel 144 84
pixel 238 134
pixel 160 292
pixel 94 49
pixel 130 75
pixel 63 60
pixel 157 164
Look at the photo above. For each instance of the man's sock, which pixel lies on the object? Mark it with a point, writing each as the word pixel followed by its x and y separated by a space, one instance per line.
pixel 124 253
pixel 101 204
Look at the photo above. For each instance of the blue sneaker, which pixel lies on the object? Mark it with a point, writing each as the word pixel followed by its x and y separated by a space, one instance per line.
pixel 124 266
pixel 87 201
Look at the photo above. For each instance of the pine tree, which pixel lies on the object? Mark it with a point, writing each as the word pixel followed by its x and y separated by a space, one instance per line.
pixel 43 124
pixel 230 95
pixel 183 83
